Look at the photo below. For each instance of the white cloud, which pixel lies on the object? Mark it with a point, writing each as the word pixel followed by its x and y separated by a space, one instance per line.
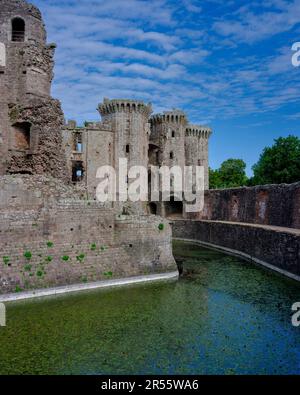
pixel 168 53
pixel 251 26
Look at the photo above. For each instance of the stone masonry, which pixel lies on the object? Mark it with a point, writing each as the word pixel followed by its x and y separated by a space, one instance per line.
pixel 49 236
pixel 30 120
pixel 52 231
pixel 279 247
pixel 128 131
pixel 277 205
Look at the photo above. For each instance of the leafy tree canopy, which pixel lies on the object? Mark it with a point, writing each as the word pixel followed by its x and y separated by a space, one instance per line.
pixel 231 174
pixel 279 163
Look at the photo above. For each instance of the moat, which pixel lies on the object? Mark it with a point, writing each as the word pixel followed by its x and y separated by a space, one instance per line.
pixel 223 316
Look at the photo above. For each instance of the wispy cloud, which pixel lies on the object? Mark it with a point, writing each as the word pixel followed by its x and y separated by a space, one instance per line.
pixel 257 21
pixel 216 59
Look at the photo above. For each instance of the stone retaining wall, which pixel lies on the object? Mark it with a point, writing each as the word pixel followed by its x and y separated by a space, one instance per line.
pixel 277 205
pixel 47 239
pixel 277 247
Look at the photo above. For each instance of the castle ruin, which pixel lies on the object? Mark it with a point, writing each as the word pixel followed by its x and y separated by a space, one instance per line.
pixel 52 230
pixel 128 130
pixel 30 120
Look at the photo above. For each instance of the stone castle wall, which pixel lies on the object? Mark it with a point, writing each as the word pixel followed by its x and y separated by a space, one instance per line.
pixel 49 237
pixel 126 131
pixel 196 149
pixel 277 205
pixel 30 120
pixel 277 248
pixel 96 149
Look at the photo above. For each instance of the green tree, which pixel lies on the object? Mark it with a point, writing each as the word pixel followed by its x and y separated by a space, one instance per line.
pixel 279 163
pixel 214 179
pixel 231 174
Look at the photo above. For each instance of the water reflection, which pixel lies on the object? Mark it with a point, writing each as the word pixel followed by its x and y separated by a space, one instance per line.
pixel 224 316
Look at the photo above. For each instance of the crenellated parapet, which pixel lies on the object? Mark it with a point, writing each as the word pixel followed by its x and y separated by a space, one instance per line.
pixel 198 131
pixel 72 125
pixel 175 117
pixel 122 105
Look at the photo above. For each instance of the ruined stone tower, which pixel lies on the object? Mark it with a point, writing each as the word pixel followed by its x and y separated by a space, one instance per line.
pixel 167 149
pixel 174 142
pixel 196 149
pixel 129 120
pixel 30 120
pixel 168 133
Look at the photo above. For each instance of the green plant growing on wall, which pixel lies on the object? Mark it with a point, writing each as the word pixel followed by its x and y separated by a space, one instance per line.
pixel 108 274
pixel 27 255
pixel 50 244
pixel 80 257
pixel 84 279
pixel 39 273
pixel 103 248
pixel 14 113
pixel 18 289
pixel 65 258
pixel 161 227
pixel 26 284
pixel 49 259
pixel 93 247
pixel 6 260
pixel 27 268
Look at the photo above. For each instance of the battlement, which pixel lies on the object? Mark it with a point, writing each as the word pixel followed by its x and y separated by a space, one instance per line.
pixel 124 105
pixel 198 131
pixel 90 125
pixel 174 116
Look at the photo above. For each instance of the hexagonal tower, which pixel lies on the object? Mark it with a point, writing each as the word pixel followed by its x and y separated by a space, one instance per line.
pixel 196 148
pixel 167 149
pixel 168 133
pixel 129 120
pixel 30 120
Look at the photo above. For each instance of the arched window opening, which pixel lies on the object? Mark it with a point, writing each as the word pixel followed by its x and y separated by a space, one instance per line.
pixel 77 171
pixel 173 134
pixel 152 208
pixel 18 30
pixel 171 155
pixel 174 208
pixel 78 143
pixel 22 135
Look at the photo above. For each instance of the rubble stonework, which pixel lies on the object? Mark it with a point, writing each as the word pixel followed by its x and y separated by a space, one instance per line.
pixel 30 120
pixel 50 237
pixel 46 154
pixel 51 232
pixel 52 229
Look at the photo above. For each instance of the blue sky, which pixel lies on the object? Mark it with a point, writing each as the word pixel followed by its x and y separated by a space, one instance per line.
pixel 226 63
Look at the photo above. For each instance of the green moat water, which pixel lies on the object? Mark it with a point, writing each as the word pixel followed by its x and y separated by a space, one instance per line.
pixel 225 316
